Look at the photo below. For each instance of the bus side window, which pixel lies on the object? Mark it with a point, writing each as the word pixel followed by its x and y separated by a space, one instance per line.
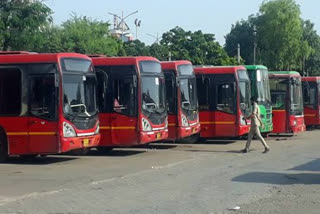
pixel 203 85
pixel 42 96
pixel 225 97
pixel 10 91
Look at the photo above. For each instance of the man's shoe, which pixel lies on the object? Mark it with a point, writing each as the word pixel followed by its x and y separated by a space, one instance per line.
pixel 266 150
pixel 245 150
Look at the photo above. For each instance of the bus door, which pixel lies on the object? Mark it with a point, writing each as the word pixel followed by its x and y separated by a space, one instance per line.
pixel 206 112
pixel 310 102
pixel 171 100
pixel 105 105
pixel 43 116
pixel 124 117
pixel 226 109
pixel 11 109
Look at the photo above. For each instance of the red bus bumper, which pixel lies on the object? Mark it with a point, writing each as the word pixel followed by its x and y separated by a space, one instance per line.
pixel 297 124
pixel 71 143
pixel 153 136
pixel 243 130
pixel 183 132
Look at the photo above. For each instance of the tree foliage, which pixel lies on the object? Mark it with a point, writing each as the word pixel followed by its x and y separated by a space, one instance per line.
pixel 87 36
pixel 22 24
pixel 198 47
pixel 279 30
pixel 241 33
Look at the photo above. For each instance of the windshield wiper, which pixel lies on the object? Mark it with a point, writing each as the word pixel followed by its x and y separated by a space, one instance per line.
pixel 81 105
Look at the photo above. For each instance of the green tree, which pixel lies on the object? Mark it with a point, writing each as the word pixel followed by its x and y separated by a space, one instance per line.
pixel 197 47
pixel 136 48
pixel 279 32
pixel 241 33
pixel 87 36
pixel 311 56
pixel 22 24
pixel 158 51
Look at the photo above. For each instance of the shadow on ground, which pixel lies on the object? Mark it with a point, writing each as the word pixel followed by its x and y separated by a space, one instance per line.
pixel 310 166
pixel 38 160
pixel 278 178
pixel 115 153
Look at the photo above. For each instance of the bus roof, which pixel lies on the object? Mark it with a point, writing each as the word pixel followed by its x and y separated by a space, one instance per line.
pixel 284 73
pixel 255 67
pixel 25 58
pixel 121 60
pixel 311 79
pixel 174 64
pixel 218 69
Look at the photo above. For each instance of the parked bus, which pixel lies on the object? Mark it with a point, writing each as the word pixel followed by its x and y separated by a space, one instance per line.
pixel 224 101
pixel 287 102
pixel 47 104
pixel 182 101
pixel 260 89
pixel 131 100
pixel 311 98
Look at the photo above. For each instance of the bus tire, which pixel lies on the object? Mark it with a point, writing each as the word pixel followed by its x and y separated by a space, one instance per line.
pixel 3 149
pixel 104 150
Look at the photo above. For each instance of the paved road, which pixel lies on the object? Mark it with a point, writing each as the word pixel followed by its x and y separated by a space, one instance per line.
pixel 170 178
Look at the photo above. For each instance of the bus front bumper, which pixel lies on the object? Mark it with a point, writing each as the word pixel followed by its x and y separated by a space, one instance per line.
pixel 71 143
pixel 153 136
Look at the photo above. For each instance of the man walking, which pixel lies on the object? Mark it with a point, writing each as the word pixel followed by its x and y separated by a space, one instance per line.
pixel 254 130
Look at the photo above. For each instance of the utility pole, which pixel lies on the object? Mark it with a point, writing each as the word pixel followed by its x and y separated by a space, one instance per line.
pixel 170 55
pixel 238 53
pixel 254 44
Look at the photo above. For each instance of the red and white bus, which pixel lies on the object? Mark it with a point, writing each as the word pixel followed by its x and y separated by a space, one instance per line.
pixel 224 101
pixel 131 100
pixel 287 102
pixel 47 103
pixel 182 101
pixel 311 100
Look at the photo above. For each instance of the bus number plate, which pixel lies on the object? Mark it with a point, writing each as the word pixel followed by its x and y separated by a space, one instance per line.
pixel 86 142
pixel 158 136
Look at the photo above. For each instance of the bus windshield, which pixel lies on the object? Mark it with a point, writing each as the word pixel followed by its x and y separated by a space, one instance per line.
pixel 296 100
pixel 153 89
pixel 79 95
pixel 244 86
pixel 79 88
pixel 188 95
pixel 263 88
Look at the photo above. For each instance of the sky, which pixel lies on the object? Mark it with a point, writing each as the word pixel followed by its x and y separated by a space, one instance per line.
pixel 157 17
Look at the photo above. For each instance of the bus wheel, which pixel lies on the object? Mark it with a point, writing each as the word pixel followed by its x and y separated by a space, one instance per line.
pixel 3 149
pixel 104 150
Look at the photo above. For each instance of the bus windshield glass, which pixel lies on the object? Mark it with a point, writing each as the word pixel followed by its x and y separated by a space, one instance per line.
pixel 79 93
pixel 244 86
pixel 263 88
pixel 296 99
pixel 188 95
pixel 153 88
pixel 153 94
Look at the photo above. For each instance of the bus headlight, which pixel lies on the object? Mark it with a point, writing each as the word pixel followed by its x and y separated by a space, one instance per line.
pixel 97 129
pixel 146 126
pixel 68 130
pixel 184 121
pixel 166 122
pixel 242 121
pixel 294 123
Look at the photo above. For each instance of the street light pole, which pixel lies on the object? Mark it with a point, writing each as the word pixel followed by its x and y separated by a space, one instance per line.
pixel 254 44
